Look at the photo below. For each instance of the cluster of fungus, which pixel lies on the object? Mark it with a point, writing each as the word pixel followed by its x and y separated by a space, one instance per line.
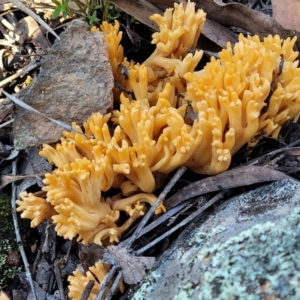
pixel 252 88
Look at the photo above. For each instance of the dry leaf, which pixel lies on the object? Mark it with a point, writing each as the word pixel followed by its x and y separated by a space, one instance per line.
pixel 241 176
pixel 133 267
pixel 27 29
pixel 218 34
pixel 139 9
pixel 286 13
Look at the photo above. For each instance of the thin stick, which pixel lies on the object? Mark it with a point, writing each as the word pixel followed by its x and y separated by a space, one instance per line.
pixel 17 232
pixel 59 282
pixel 114 286
pixel 87 290
pixel 183 223
pixel 151 211
pixel 273 153
pixel 19 73
pixel 166 216
pixel 6 123
pixel 106 281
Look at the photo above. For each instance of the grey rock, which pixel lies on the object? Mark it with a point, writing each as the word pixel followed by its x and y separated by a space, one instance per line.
pixel 75 80
pixel 248 248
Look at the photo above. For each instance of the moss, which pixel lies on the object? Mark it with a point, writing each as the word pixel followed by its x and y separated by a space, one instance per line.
pixel 7 240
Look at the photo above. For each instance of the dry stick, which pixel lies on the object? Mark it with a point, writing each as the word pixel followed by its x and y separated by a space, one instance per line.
pixel 19 73
pixel 106 281
pixel 272 153
pixel 183 223
pixel 36 261
pixel 150 212
pixel 87 290
pixel 114 286
pixel 164 217
pixel 161 219
pixel 59 282
pixel 6 123
pixel 17 232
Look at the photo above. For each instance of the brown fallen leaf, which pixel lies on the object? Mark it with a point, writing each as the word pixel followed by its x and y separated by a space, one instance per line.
pixel 218 34
pixel 286 13
pixel 240 176
pixel 27 29
pixel 133 267
pixel 140 10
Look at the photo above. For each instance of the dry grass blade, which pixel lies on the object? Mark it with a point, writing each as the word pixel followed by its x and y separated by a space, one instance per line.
pixel 29 108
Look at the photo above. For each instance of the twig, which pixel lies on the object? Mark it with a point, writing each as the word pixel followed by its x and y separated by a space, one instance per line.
pixel 17 232
pixel 106 282
pixel 69 251
pixel 6 123
pixel 59 282
pixel 114 286
pixel 19 73
pixel 164 217
pixel 36 261
pixel 183 223
pixel 150 212
pixel 87 290
pixel 5 34
pixel 272 153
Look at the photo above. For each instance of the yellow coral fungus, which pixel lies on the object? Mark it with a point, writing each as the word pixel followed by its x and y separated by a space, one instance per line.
pixel 235 89
pixel 179 30
pixel 79 280
pixel 253 87
pixel 35 208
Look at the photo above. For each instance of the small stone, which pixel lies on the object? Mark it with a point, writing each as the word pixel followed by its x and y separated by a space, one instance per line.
pixel 75 80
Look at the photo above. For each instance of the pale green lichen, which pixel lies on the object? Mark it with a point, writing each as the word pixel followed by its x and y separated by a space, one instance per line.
pixel 221 257
pixel 260 262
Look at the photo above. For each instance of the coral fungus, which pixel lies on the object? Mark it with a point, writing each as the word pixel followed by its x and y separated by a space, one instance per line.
pixel 253 87
pixel 239 87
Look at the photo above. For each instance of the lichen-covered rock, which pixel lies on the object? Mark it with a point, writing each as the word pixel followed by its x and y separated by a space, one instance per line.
pixel 249 248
